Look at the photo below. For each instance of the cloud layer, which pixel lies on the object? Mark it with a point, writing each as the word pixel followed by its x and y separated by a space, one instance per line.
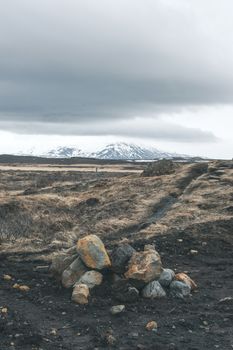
pixel 91 67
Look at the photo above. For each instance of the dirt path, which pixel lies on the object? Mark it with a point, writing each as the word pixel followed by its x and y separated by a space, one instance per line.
pixel 45 318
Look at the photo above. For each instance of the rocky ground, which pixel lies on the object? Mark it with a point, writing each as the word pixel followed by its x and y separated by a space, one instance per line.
pixel 188 210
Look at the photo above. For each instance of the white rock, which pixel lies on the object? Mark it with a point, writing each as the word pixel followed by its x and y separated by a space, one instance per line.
pixel 117 309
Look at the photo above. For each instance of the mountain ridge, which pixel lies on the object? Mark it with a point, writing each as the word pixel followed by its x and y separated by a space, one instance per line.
pixel 112 151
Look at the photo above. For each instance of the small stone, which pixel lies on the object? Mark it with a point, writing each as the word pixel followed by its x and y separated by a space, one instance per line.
pixel 179 289
pixel 205 323
pixel 193 252
pixel 16 286
pixel 24 288
pixel 117 309
pixel 53 331
pixel 93 253
pixel 180 240
pixel 186 279
pixel 71 275
pixel 152 326
pixel 166 277
pixel 110 339
pixel 91 279
pixel 80 294
pixel 120 257
pixel 133 335
pixel 145 266
pixel 153 290
pixel 4 310
pixel 7 277
pixel 227 301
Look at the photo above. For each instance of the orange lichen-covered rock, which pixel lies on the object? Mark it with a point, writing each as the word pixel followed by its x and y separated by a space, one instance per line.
pixel 145 266
pixel 93 253
pixel 182 277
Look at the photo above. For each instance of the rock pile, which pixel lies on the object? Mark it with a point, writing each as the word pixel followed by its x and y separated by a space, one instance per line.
pixel 133 274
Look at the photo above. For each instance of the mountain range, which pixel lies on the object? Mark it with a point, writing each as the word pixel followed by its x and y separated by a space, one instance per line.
pixel 118 151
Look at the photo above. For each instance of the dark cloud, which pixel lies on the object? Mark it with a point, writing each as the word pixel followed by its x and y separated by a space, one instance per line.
pixel 139 127
pixel 85 62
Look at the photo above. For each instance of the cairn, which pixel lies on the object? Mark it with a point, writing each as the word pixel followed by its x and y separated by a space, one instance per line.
pixel 133 273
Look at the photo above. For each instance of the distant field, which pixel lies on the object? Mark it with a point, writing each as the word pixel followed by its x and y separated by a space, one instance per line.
pixel 74 167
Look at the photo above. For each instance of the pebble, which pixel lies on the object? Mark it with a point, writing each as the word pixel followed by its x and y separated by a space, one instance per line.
pixel 4 310
pixel 193 252
pixel 53 331
pixel 24 288
pixel 110 339
pixel 117 309
pixel 7 277
pixel 152 326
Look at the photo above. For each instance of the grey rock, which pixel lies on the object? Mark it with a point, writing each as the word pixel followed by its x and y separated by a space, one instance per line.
pixel 153 290
pixel 73 273
pixel 60 263
pixel 166 277
pixel 179 289
pixel 117 309
pixel 120 257
pixel 91 279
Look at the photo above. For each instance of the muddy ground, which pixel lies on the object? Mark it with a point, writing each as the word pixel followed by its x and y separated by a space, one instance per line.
pixel 45 318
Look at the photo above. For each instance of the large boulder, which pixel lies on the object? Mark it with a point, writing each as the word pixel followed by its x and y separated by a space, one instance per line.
pixel 73 273
pixel 153 290
pixel 91 279
pixel 144 266
pixel 93 253
pixel 120 257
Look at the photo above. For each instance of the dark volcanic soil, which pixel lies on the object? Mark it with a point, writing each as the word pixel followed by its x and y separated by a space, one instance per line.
pixel 45 318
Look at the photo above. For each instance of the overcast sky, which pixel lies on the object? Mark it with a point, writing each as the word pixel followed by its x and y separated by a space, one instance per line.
pixel 86 73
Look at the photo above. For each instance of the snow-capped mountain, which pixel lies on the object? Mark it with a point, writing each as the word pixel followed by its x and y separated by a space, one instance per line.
pixel 126 151
pixel 65 152
pixel 118 151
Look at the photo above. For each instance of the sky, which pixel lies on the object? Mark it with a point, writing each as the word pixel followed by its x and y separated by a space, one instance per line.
pixel 88 73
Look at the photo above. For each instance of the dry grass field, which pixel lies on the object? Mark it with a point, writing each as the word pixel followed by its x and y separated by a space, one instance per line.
pixel 43 210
